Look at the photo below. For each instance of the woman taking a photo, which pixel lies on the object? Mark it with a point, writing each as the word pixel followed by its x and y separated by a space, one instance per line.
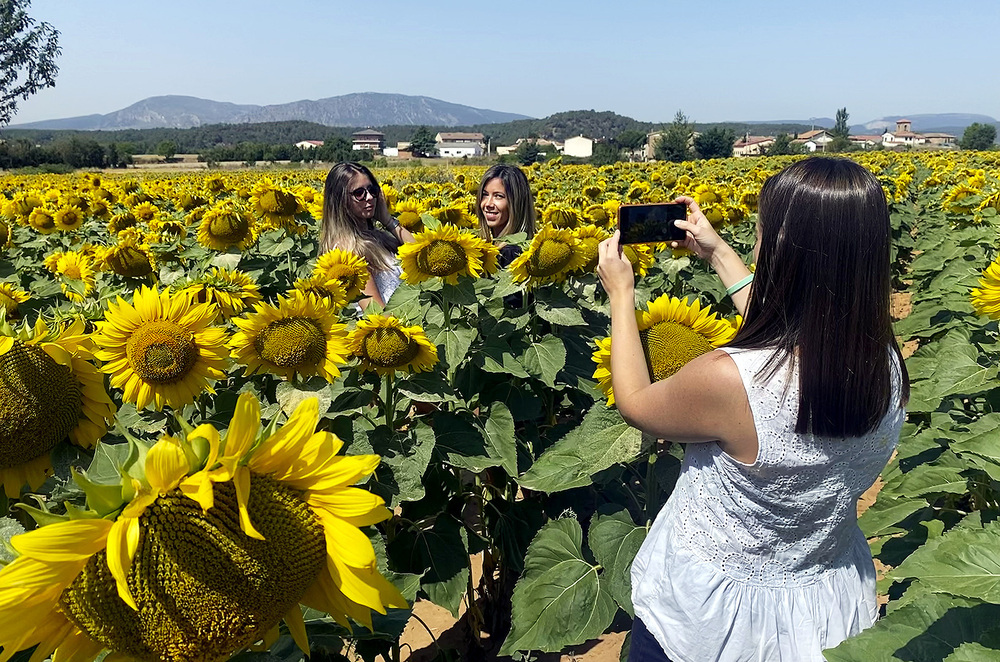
pixel 352 205
pixel 757 554
pixel 505 206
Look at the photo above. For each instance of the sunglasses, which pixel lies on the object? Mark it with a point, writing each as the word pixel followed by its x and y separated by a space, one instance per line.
pixel 359 193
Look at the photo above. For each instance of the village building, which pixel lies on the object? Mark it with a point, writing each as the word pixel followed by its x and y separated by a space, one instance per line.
pixel 904 136
pixel 752 145
pixel 578 146
pixel 503 150
pixel 309 144
pixel 458 137
pixel 459 149
pixel 815 140
pixel 368 139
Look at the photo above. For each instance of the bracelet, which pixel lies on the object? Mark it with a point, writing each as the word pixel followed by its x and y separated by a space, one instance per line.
pixel 739 285
pixel 392 224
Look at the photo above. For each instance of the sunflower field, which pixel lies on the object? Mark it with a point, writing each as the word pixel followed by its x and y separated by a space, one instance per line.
pixel 207 449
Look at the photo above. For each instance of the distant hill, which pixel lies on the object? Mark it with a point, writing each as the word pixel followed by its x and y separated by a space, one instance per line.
pixel 349 110
pixel 953 123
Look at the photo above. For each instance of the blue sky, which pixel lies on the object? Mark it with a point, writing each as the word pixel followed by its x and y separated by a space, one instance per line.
pixel 715 60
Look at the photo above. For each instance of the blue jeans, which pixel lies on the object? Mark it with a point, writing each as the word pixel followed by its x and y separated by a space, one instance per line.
pixel 643 647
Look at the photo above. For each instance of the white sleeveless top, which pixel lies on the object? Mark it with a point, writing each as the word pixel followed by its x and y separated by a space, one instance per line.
pixel 764 561
pixel 387 281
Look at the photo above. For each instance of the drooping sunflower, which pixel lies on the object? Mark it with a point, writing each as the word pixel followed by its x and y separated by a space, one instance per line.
pixel 384 345
pixel 590 237
pixel 5 235
pixel 121 221
pixel 553 254
pixel 231 290
pixel 672 332
pixel 447 253
pixel 560 216
pixel 49 391
pixel 223 539
pixel 641 256
pixel 43 220
pixel 274 204
pixel 408 214
pixel 350 269
pixel 129 256
pixel 986 297
pixel 226 225
pixel 332 290
pixel 456 214
pixel 11 297
pixel 299 336
pixel 161 348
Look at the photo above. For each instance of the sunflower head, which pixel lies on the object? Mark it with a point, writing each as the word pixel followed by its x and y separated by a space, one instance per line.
pixel 590 238
pixel 226 225
pixel 231 290
pixel 274 202
pixel 43 220
pixel 129 257
pixel 455 214
pixel 672 333
pixel 986 297
pixel 299 336
pixel 331 291
pixel 560 216
pixel 11 297
pixel 553 254
pixel 384 345
pixel 348 268
pixel 408 214
pixel 446 253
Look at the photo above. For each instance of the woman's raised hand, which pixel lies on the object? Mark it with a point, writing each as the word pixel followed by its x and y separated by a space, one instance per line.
pixel 702 239
pixel 614 268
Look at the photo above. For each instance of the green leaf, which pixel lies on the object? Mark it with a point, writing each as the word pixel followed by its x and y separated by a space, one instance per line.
pixel 496 356
pixel 963 562
pixel 560 600
pixel 9 528
pixel 455 343
pixel 982 438
pixel 882 518
pixel 441 555
pixel 544 359
pixel 928 630
pixel 291 395
pixel 500 441
pixel 615 540
pixel 462 443
pixel 427 387
pixel 601 440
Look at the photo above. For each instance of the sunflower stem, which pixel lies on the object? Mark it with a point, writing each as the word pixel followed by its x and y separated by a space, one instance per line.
pixel 650 484
pixel 389 401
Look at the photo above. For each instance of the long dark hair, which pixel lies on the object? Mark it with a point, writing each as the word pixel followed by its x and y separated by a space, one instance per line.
pixel 341 230
pixel 519 200
pixel 821 291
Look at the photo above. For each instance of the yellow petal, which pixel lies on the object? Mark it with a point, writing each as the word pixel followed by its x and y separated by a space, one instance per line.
pixel 210 434
pixel 242 481
pixel 199 488
pixel 297 628
pixel 244 427
pixel 64 541
pixel 121 549
pixel 282 447
pixel 166 465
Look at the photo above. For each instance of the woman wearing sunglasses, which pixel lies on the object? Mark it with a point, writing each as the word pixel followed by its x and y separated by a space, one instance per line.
pixel 353 210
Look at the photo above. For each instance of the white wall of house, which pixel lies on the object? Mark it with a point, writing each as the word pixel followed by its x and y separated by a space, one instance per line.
pixel 458 150
pixel 579 146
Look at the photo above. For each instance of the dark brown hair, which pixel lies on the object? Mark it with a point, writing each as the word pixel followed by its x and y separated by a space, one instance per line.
pixel 519 200
pixel 821 291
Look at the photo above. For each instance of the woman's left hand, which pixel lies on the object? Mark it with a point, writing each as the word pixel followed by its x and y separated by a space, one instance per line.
pixel 614 269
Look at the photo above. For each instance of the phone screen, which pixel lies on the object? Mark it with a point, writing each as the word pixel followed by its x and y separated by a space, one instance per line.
pixel 647 224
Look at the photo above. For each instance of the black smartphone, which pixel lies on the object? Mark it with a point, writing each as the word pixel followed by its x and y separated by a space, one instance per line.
pixel 650 224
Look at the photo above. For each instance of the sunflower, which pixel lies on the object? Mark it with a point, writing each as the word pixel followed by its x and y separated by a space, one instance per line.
pixel 21 206
pixel 590 238
pixel 560 216
pixel 5 235
pixel 273 203
pixel 641 256
pixel 986 297
pixel 447 253
pixel 456 214
pixel 11 297
pixel 300 336
pixel 121 221
pixel 350 269
pixel 331 291
pixel 672 333
pixel 384 345
pixel 161 348
pixel 226 225
pixel 49 391
pixel 408 214
pixel 232 291
pixel 43 220
pixel 73 266
pixel 130 256
pixel 223 539
pixel 68 217
pixel 552 255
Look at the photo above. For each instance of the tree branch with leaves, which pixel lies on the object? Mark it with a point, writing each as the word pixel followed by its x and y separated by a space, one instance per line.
pixel 28 55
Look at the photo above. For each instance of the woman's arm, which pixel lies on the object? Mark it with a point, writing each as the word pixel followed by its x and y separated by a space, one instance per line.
pixel 705 242
pixel 371 290
pixel 704 401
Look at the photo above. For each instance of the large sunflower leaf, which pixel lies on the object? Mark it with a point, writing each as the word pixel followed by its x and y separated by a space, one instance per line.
pixel 291 395
pixel 560 599
pixel 441 555
pixel 9 528
pixel 462 443
pixel 963 562
pixel 455 343
pixel 615 540
pixel 500 440
pixel 405 456
pixel 600 441
pixel 927 630
pixel 544 359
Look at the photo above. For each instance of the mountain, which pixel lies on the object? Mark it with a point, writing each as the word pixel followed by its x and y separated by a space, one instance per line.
pixel 360 109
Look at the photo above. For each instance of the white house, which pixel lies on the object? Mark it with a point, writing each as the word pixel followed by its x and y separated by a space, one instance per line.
pixel 309 144
pixel 458 150
pixel 752 145
pixel 368 139
pixel 815 140
pixel 459 137
pixel 578 146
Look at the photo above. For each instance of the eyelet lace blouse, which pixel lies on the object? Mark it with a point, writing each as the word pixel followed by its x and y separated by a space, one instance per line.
pixel 764 561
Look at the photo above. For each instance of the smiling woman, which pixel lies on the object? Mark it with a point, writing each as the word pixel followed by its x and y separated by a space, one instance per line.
pixel 505 206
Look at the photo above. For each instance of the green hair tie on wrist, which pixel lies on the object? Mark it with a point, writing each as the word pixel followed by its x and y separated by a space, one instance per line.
pixel 739 285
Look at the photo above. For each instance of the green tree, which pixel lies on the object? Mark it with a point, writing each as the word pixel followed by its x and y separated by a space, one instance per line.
pixel 631 141
pixel 674 144
pixel 28 54
pixel 167 149
pixel 715 143
pixel 605 154
pixel 783 145
pixel 979 136
pixel 527 152
pixel 422 143
pixel 840 127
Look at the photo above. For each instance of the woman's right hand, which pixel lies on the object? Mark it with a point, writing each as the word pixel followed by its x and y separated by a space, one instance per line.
pixel 702 239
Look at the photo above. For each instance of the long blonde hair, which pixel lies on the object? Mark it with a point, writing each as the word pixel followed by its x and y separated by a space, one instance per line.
pixel 341 230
